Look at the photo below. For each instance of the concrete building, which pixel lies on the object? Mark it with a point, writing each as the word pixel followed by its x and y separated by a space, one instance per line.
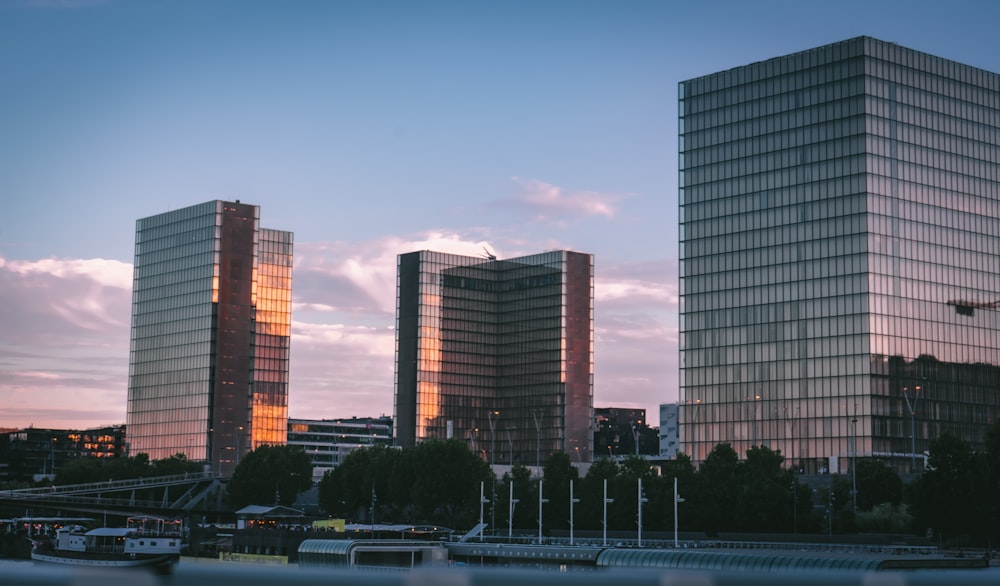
pixel 840 238
pixel 670 440
pixel 211 324
pixel 328 441
pixel 497 353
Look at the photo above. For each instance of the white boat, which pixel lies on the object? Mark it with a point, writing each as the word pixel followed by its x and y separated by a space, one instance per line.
pixel 144 541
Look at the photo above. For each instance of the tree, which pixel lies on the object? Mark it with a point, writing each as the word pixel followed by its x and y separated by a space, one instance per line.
pixel 683 470
pixel 876 484
pixel 718 495
pixel 176 464
pixel 946 496
pixel 592 494
pixel 558 471
pixel 270 475
pixel 446 489
pixel 767 498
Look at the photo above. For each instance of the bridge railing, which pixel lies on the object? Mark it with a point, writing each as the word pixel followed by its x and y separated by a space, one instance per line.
pixel 111 485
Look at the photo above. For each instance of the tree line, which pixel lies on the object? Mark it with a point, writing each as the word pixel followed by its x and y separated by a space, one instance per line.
pixel 956 498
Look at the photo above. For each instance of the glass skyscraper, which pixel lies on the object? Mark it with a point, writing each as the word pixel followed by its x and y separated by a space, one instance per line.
pixel 496 353
pixel 211 324
pixel 840 246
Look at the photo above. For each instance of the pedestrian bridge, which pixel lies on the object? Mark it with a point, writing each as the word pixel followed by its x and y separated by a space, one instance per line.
pixel 162 495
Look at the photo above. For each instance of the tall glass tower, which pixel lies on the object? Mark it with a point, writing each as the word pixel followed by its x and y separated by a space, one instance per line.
pixel 840 238
pixel 211 324
pixel 496 353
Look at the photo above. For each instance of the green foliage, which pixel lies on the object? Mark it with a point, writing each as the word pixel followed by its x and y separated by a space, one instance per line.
pixel 884 518
pixel 558 471
pixel 877 484
pixel 435 482
pixel 270 475
pixel 84 470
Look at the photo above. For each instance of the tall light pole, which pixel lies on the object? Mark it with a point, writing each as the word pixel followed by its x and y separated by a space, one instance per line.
pixel 510 444
pixel 642 499
pixel 541 501
pixel 493 433
pixel 912 406
pixel 536 414
pixel 854 465
pixel 492 415
pixel 677 499
pixel 605 503
pixel 239 438
pixel 482 501
pixel 572 501
pixel 511 501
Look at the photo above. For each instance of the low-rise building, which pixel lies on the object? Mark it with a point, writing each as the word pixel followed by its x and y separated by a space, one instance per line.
pixel 328 441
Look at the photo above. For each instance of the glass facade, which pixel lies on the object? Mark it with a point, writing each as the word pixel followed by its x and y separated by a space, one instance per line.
pixel 840 238
pixel 496 353
pixel 211 307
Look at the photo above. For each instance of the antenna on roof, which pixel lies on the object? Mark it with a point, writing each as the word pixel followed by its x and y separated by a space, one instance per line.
pixel 489 255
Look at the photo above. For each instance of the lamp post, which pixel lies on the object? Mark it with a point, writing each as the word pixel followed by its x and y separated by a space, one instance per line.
pixel 854 465
pixel 541 501
pixel 536 414
pixel 677 499
pixel 605 503
pixel 912 406
pixel 482 500
pixel 493 509
pixel 642 499
pixel 572 501
pixel 511 501
pixel 492 414
pixel 510 444
pixel 239 438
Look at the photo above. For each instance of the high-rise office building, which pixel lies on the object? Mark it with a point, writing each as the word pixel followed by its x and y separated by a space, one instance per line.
pixel 497 353
pixel 840 240
pixel 211 324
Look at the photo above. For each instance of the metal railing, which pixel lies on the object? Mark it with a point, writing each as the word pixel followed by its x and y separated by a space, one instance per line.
pixel 111 485
pixel 213 574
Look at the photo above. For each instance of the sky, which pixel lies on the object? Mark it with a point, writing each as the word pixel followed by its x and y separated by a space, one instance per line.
pixel 369 129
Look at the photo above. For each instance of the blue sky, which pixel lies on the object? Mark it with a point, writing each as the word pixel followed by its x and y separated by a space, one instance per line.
pixel 369 129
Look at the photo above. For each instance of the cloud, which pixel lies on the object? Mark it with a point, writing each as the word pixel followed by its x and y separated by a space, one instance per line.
pixel 64 341
pixel 551 203
pixel 65 336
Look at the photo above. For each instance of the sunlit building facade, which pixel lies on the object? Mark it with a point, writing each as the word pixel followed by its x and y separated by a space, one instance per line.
pixel 211 325
pixel 496 353
pixel 840 245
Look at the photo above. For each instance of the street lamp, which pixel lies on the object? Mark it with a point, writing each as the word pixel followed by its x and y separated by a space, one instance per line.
pixel 239 437
pixel 854 465
pixel 572 501
pixel 511 501
pixel 536 414
pixel 482 500
pixel 912 406
pixel 492 414
pixel 541 501
pixel 677 499
pixel 493 509
pixel 510 444
pixel 642 499
pixel 605 503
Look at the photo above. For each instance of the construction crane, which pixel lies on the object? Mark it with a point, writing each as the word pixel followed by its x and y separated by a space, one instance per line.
pixel 963 307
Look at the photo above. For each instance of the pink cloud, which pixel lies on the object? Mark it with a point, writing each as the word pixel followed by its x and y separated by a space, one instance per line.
pixel 551 203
